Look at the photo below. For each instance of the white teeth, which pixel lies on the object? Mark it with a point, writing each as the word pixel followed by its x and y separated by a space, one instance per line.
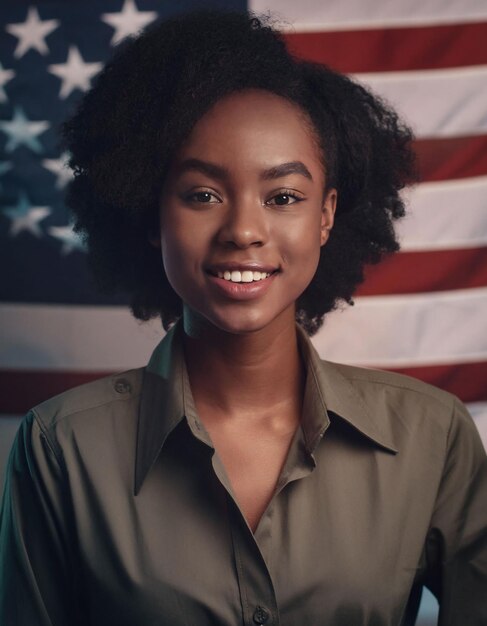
pixel 246 276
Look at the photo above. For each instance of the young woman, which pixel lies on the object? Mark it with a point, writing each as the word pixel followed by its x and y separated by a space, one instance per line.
pixel 238 479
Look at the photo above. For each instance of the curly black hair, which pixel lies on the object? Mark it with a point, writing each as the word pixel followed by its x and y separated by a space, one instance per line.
pixel 146 101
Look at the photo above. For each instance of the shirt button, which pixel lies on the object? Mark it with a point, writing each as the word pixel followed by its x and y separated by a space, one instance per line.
pixel 261 615
pixel 122 386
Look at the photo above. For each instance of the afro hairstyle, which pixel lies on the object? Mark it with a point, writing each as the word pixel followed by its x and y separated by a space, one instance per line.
pixel 146 101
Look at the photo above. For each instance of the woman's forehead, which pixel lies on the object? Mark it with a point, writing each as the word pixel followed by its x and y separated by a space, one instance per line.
pixel 252 124
pixel 252 103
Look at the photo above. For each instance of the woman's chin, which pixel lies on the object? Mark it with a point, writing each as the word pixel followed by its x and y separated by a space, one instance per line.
pixel 238 322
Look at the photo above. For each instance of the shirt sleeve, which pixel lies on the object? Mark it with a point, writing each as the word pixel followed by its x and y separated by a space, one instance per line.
pixel 37 578
pixel 457 543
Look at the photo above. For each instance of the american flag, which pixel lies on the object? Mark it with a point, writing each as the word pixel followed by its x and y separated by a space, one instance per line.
pixel 422 312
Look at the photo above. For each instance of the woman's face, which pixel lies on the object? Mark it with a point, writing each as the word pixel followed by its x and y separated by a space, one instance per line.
pixel 243 212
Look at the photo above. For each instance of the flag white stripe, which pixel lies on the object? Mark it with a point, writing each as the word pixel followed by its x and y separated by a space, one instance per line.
pixel 445 215
pixel 418 329
pixel 84 338
pixel 436 103
pixel 477 409
pixel 310 15
pixel 408 330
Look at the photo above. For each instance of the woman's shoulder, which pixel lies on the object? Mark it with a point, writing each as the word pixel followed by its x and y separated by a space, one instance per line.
pixel 81 427
pixel 378 381
pixel 401 398
pixel 411 415
pixel 95 398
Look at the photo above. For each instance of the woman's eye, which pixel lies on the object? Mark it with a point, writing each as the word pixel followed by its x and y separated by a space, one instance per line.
pixel 284 199
pixel 204 197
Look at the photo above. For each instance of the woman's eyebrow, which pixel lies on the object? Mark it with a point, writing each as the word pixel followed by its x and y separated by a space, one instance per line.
pixel 219 172
pixel 293 167
pixel 197 165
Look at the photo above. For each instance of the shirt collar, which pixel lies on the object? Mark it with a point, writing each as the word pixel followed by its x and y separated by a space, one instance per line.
pixel 161 404
pixel 329 393
pixel 166 399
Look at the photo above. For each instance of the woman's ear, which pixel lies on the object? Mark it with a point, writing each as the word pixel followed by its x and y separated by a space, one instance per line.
pixel 328 214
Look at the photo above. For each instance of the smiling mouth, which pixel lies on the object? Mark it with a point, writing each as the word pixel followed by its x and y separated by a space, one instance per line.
pixel 245 276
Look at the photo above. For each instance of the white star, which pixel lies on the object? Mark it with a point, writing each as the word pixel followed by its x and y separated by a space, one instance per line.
pixel 71 241
pixel 31 33
pixel 5 76
pixel 75 73
pixel 24 216
pixel 22 131
pixel 59 167
pixel 128 21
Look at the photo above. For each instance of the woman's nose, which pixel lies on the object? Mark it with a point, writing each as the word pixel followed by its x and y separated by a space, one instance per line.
pixel 244 225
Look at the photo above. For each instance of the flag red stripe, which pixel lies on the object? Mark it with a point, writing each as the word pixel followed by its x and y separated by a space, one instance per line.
pixel 394 49
pixel 427 271
pixel 22 390
pixel 456 157
pixel 468 381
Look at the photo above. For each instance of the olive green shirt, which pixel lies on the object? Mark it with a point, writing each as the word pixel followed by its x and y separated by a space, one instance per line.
pixel 117 509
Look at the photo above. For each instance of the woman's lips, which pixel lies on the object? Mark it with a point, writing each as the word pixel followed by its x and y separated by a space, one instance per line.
pixel 245 290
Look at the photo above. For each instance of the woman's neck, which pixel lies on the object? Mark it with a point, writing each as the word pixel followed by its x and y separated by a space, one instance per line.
pixel 258 374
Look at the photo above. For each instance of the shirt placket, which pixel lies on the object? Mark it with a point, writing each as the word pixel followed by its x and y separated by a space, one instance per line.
pixel 256 589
